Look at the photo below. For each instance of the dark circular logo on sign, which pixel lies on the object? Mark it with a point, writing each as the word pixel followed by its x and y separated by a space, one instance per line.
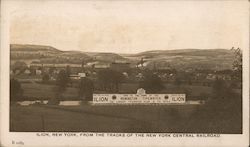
pixel 166 97
pixel 113 97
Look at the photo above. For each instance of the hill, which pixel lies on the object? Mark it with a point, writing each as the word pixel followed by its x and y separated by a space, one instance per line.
pixel 181 59
pixel 45 54
pixel 185 52
pixel 108 57
pixel 48 54
pixel 215 59
pixel 32 48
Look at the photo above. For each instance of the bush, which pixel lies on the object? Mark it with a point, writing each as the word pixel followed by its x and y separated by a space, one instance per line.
pixel 19 65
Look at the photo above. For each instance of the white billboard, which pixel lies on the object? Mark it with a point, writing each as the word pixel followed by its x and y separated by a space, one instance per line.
pixel 138 98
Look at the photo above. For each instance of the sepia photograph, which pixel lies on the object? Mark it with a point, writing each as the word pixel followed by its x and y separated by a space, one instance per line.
pixel 127 66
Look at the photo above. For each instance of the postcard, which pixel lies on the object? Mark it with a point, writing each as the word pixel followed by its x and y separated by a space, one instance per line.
pixel 124 73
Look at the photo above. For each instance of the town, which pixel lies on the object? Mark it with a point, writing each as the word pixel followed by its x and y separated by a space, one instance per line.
pixel 121 76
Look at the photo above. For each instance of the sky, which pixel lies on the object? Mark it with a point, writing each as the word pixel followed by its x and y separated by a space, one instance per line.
pixel 129 26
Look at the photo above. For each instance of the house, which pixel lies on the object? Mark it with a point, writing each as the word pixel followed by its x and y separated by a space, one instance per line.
pixel 38 72
pixel 101 66
pixel 211 77
pixel 75 77
pixel 35 65
pixel 27 71
pixel 224 77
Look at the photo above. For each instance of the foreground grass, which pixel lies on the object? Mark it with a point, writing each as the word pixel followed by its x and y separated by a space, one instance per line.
pixel 134 118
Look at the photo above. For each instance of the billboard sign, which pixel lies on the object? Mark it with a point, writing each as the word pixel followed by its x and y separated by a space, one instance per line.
pixel 138 98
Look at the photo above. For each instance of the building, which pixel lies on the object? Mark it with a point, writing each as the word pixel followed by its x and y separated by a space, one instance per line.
pixel 75 77
pixel 100 66
pixel 211 77
pixel 47 67
pixel 38 72
pixel 27 71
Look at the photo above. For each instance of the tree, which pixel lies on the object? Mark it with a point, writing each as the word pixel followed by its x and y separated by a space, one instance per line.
pixel 86 88
pixel 51 70
pixel 177 81
pixel 61 82
pixel 223 96
pixel 117 78
pixel 152 83
pixel 110 79
pixel 237 64
pixel 224 102
pixel 103 78
pixel 68 70
pixel 219 88
pixel 68 73
pixel 183 77
pixel 45 78
pixel 16 90
pixel 19 65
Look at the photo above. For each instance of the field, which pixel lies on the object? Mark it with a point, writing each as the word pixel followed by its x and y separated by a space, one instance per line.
pixel 87 118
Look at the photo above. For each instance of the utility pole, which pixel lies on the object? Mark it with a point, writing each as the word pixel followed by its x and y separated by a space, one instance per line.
pixel 43 124
pixel 83 63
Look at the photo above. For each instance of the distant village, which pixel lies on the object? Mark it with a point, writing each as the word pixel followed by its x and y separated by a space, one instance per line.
pixel 132 72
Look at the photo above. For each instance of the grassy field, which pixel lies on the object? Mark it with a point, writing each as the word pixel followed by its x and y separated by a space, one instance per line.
pixel 134 118
pixel 96 118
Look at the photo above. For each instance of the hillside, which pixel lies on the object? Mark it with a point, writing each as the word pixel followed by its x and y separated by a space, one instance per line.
pixel 216 59
pixel 32 48
pixel 45 54
pixel 185 52
pixel 48 54
pixel 181 59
